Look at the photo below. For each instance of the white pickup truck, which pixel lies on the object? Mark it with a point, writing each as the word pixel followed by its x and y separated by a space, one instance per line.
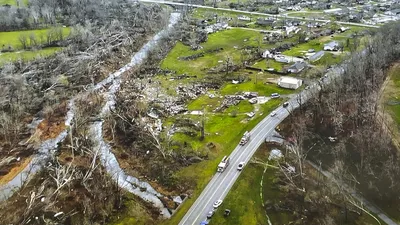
pixel 245 138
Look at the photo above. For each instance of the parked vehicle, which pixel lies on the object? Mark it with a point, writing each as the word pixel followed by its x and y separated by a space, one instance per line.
pixel 286 104
pixel 217 203
pixel 210 214
pixel 245 138
pixel 275 95
pixel 240 166
pixel 223 164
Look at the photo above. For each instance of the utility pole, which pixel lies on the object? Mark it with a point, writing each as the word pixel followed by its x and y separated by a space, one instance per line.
pixel 202 124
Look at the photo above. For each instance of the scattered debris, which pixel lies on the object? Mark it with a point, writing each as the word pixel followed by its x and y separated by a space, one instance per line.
pixel 253 100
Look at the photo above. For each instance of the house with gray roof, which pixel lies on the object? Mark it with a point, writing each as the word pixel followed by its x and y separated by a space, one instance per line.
pixel 317 56
pixel 331 46
pixel 297 67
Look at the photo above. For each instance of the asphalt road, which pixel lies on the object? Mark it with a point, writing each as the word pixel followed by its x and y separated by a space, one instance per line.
pixel 221 183
pixel 257 13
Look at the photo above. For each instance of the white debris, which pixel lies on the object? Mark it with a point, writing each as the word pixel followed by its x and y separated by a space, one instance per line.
pixel 275 154
pixel 178 200
pixel 58 214
pixel 250 114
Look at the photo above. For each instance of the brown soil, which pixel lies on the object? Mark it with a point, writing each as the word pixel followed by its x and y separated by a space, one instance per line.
pixel 53 124
pixel 15 170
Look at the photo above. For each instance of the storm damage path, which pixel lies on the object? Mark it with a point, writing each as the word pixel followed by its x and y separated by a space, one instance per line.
pixel 108 159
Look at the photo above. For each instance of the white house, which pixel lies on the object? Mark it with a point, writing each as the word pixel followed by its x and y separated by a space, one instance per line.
pixel 290 83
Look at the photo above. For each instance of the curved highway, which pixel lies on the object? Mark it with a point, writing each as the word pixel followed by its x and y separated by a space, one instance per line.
pixel 221 183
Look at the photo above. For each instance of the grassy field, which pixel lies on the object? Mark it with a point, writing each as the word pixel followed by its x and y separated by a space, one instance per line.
pixel 260 87
pixel 27 55
pixel 13 2
pixel 269 63
pixel 12 38
pixel 225 39
pixel 392 93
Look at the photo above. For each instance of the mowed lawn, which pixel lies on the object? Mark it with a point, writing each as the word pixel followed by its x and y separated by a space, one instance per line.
pixel 230 40
pixel 13 2
pixel 12 38
pixel 27 55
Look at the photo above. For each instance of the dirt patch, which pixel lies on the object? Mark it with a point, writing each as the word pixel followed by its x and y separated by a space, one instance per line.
pixel 15 171
pixel 54 123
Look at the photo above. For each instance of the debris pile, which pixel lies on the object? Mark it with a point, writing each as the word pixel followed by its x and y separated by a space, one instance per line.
pixel 191 92
pixel 229 100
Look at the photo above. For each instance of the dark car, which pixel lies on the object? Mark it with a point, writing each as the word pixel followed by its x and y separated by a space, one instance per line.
pixel 286 104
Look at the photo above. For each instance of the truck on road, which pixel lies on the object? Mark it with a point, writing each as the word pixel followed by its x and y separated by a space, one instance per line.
pixel 245 138
pixel 223 164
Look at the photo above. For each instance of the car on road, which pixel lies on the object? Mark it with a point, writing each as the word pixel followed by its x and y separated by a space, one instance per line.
pixel 275 95
pixel 273 113
pixel 286 104
pixel 217 203
pixel 240 166
pixel 210 214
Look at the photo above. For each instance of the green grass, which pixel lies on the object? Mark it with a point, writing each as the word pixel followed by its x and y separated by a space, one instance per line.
pixel 392 93
pixel 12 38
pixel 269 63
pixel 13 2
pixel 134 213
pixel 27 55
pixel 225 39
pixel 242 107
pixel 260 87
pixel 299 50
pixel 329 59
pixel 209 104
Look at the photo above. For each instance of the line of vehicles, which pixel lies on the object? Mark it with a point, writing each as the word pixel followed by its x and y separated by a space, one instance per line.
pixel 225 163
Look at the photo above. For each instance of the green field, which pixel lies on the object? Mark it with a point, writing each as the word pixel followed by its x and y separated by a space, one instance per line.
pixel 27 55
pixel 12 38
pixel 225 39
pixel 13 2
